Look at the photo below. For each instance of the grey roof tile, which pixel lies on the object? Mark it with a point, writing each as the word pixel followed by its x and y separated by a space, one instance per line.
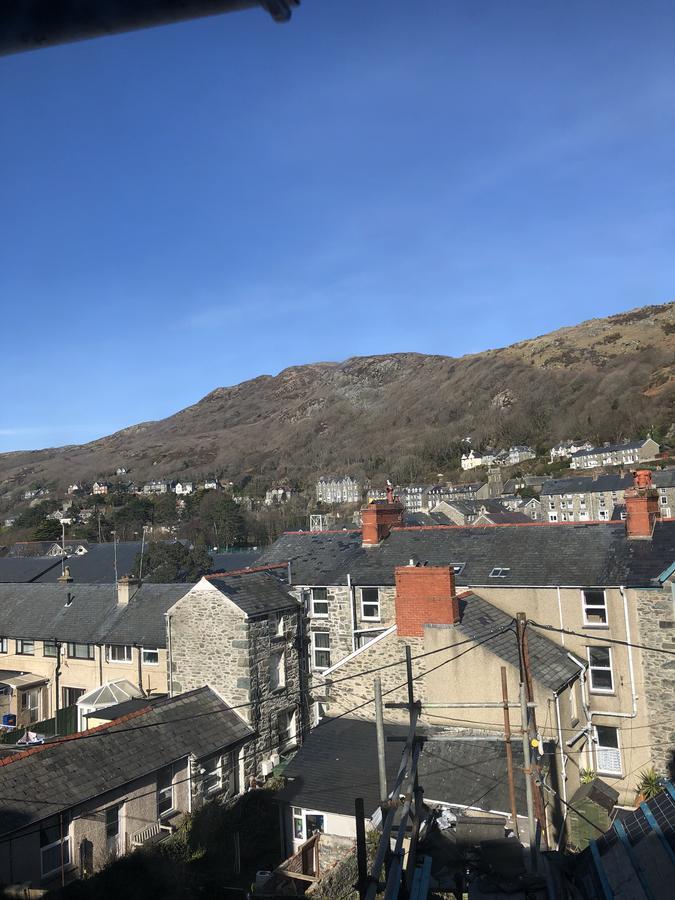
pixel 536 554
pixel 33 786
pixel 255 593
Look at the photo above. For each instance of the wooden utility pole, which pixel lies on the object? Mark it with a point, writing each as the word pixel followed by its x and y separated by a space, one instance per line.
pixel 530 721
pixel 509 752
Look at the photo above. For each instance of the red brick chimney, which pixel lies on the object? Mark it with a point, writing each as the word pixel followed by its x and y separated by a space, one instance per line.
pixel 425 595
pixel 378 518
pixel 642 506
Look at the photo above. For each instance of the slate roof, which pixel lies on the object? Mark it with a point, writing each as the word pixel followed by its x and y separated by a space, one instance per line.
pixel 26 569
pixel 549 661
pixel 611 448
pixel 97 566
pixel 255 593
pixel 536 554
pixel 93 616
pixel 338 762
pixel 237 559
pixel 60 775
pixel 585 485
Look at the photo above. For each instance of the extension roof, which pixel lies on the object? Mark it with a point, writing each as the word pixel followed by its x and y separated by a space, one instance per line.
pixel 93 616
pixel 62 774
pixel 338 762
pixel 255 593
pixel 535 554
pixel 549 662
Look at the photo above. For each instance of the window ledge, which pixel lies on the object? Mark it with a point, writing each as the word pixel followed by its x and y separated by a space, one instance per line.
pixel 596 627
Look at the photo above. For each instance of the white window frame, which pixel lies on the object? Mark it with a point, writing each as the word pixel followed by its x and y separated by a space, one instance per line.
pixel 161 792
pixel 587 608
pixel 290 738
pixel 499 572
pixel 30 692
pixel 320 650
pixel 278 623
pixel 277 670
pixel 145 660
pixel 604 515
pixel 364 603
pixel 663 500
pixel 609 752
pixel 553 517
pixel 609 668
pixel 313 602
pixel 300 814
pixel 66 862
pixel 4 646
pixel 214 775
pixel 114 647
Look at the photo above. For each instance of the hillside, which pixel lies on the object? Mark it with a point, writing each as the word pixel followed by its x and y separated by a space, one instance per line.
pixel 603 379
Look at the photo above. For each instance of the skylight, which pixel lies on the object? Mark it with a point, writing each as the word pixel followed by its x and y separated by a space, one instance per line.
pixel 458 568
pixel 499 572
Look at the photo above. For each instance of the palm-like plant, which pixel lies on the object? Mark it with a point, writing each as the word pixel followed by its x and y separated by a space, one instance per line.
pixel 649 784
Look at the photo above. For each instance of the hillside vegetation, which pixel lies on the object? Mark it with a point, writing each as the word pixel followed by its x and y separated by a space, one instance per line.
pixel 399 414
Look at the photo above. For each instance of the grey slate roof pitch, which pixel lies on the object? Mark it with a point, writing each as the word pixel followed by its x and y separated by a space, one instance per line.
pixel 97 566
pixel 611 448
pixel 549 661
pixel 62 774
pixel 574 554
pixel 338 762
pixel 255 593
pixel 93 616
pixel 603 484
pixel 26 569
pixel 237 559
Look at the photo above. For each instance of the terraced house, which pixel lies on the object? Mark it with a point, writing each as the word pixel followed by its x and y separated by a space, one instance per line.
pixel 600 498
pixel 604 582
pixel 60 641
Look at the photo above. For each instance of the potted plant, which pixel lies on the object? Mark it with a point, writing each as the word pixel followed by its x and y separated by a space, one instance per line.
pixel 587 775
pixel 648 786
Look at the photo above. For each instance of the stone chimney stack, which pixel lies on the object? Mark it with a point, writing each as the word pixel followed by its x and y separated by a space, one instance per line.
pixel 66 578
pixel 642 506
pixel 378 518
pixel 425 595
pixel 126 588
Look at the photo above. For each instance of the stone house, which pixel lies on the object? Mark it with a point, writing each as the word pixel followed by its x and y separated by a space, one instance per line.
pixel 243 634
pixel 157 487
pixel 345 489
pixel 580 579
pixel 130 782
pixel 183 487
pixel 628 453
pixel 596 498
pixel 60 641
pixel 100 488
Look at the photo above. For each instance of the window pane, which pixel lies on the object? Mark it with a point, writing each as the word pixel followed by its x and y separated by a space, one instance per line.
pixel 607 736
pixel 601 679
pixel 150 657
pixel 314 823
pixel 50 648
pixel 599 656
pixel 321 639
pixel 112 822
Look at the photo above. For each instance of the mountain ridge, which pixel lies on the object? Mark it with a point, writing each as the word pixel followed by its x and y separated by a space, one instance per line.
pixel 604 378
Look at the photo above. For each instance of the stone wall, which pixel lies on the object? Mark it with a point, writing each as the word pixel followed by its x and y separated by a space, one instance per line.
pixel 343 695
pixel 212 642
pixel 656 624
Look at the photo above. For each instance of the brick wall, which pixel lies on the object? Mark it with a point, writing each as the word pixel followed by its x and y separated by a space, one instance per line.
pixel 424 595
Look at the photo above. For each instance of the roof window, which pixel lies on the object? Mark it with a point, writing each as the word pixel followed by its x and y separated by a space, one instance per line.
pixel 458 568
pixel 499 572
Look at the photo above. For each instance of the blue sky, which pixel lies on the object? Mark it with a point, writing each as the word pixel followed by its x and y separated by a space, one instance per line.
pixel 190 206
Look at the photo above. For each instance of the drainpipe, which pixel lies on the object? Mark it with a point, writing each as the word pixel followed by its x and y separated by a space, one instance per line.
pixel 140 670
pixel 57 676
pixel 169 676
pixel 560 615
pixel 352 607
pixel 563 767
pixel 100 665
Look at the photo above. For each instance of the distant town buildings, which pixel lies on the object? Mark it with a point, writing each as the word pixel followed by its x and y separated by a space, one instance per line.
pixel 565 449
pixel 183 487
pixel 625 454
